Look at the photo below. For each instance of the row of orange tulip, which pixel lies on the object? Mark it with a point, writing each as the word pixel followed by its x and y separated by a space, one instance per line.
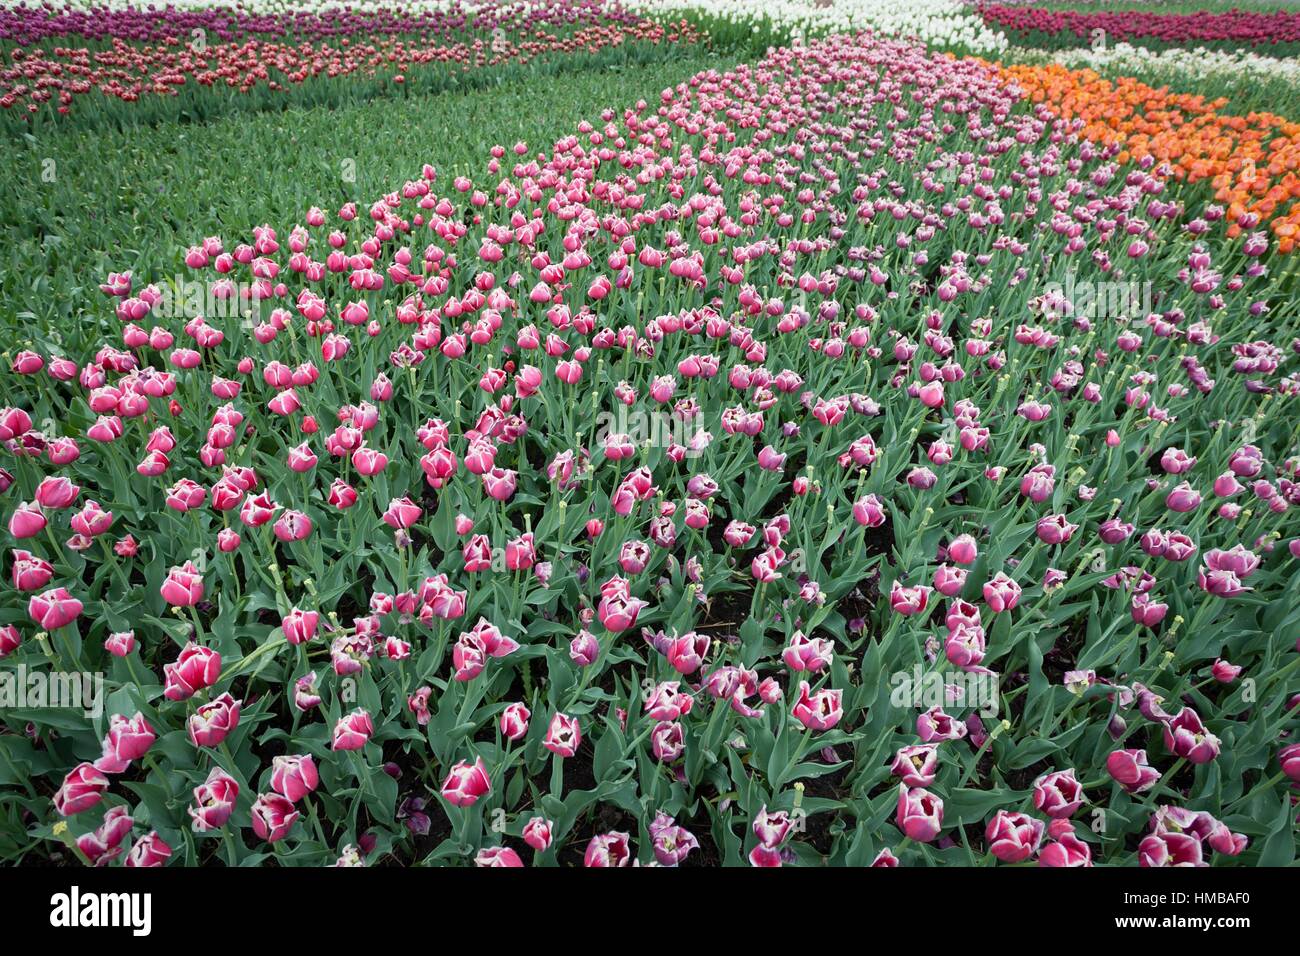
pixel 1252 162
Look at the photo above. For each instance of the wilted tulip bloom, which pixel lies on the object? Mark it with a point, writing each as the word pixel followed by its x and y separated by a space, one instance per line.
pixel 935 725
pixel 342 495
pixel 1220 582
pixel 1186 736
pixel 1130 770
pixel 687 652
pixel 1237 559
pixel 1170 849
pixel 196 668
pixel 770 459
pixel 807 654
pixel 608 850
pixel 477 554
pixel 120 643
pixel 293 526
pixel 671 843
pixel 965 646
pixel 667 741
pixel 1113 531
pixel 30 572
pixel 305 697
pixel 91 520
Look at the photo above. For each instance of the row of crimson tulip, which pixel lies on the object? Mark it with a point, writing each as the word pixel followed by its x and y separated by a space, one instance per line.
pixel 1277 30
pixel 678 494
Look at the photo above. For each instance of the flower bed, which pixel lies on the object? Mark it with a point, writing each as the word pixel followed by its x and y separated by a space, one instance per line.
pixel 835 459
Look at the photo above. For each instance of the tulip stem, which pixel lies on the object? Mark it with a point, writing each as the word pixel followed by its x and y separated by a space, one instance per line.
pixel 115 566
pixel 59 556
pixel 73 659
pixel 363 778
pixel 1163 785
pixel 315 821
pixel 557 776
pixel 466 818
pixel 149 761
pixel 1264 785
pixel 130 667
pixel 234 767
pixel 975 761
pixel 232 854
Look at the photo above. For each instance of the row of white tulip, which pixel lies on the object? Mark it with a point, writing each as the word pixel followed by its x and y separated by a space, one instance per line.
pixel 946 24
pixel 1231 67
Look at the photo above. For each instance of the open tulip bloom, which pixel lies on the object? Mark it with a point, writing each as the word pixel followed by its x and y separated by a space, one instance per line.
pixel 849 457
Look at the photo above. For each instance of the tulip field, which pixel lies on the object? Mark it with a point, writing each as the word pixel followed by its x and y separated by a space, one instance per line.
pixel 650 433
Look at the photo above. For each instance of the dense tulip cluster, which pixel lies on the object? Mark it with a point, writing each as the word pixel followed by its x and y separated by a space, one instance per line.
pixel 26 25
pixel 834 458
pixel 1252 162
pixel 1241 28
pixel 1180 67
pixel 160 53
pixel 946 24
